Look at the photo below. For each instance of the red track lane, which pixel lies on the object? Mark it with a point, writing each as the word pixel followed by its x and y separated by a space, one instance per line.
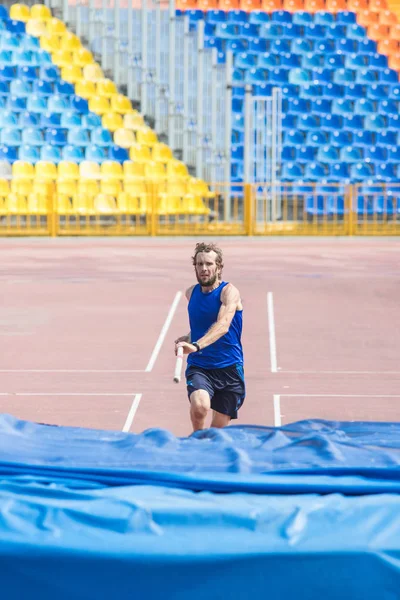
pixel 94 309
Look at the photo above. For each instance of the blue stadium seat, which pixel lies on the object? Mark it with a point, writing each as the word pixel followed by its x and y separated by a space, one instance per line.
pixel 7 73
pixel 4 88
pixel 28 42
pixel 360 171
pixel 226 30
pixel 256 45
pixel 293 137
pixel 288 153
pixel 57 103
pixel 16 103
pixel 367 46
pixel 289 121
pixel 311 91
pixel 96 153
pixel 351 154
pixel 3 13
pixel 244 60
pixel 279 76
pixel 345 17
pixel 8 154
pixel 237 46
pixel 377 61
pixel 256 76
pixel 315 171
pixel 280 46
pixel 333 90
pixel 356 90
pixel 339 171
pixel 394 154
pixel 314 32
pixel 258 17
pixel 324 17
pixel 302 46
pixel 353 122
pixel 364 106
pixel 289 60
pixel 347 46
pixel 375 122
pixel 64 87
pixel 364 137
pixel 30 154
pixel 281 16
pixel 236 16
pixel 322 76
pixel 15 26
pixel 388 76
pixel 387 138
pixel 28 119
pixel 306 122
pixel 343 106
pixel 79 104
pixel 42 87
pixel 101 137
pixel 354 61
pixel 27 73
pixel 70 118
pixel 322 106
pixel 386 171
pixel 78 136
pixel 8 119
pixel 312 61
pixel 341 138
pixel 211 16
pixel 56 136
pixel 393 122
pixel 302 17
pixel 335 61
pixel 389 107
pixel 50 153
pixel 73 154
pixel 394 91
pixel 10 136
pixel 377 91
pixel 268 60
pixel 327 154
pixel 375 154
pixel 49 73
pixel 306 153
pixel 214 42
pixel 317 138
pixel 20 88
pixel 333 122
pixel 91 120
pixel 32 136
pixel 337 31
pixel 327 46
pixel 5 56
pixel 118 154
pixel 42 57
pixel 9 41
pixel 291 171
pixel 299 105
pixel 49 120
pixel 249 30
pixel 356 32
pixel 299 76
pixel 270 31
pixel 289 90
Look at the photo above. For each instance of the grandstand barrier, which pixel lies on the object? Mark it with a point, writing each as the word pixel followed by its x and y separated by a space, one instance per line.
pixel 143 207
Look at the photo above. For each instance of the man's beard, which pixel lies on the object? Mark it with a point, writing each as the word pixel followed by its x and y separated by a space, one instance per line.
pixel 207 282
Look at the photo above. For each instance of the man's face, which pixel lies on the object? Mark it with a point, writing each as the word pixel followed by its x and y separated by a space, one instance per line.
pixel 207 271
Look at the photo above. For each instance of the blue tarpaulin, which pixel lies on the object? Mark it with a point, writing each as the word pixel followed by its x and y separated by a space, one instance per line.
pixel 304 511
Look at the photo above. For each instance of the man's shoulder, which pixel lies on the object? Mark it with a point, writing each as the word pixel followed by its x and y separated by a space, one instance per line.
pixel 189 291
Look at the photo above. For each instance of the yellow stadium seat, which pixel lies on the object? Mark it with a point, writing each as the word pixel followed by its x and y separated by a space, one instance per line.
pixel 16 204
pixel 36 27
pixel 71 73
pixel 68 170
pixel 82 57
pixel 106 87
pixel 120 104
pixel 23 170
pixel 4 187
pixel 198 187
pixel 50 43
pixel 128 204
pixel 40 11
pixel 112 121
pixel 63 205
pixel 176 168
pixel 194 205
pixel 169 205
pixel 140 153
pixel 62 58
pixel 155 170
pixel 66 187
pixel 124 138
pixel 86 89
pixel 46 170
pixel 133 120
pixel 70 42
pixel 3 210
pixel 136 187
pixel 110 186
pixel 161 152
pixel 146 136
pixel 56 26
pixel 88 187
pixel 37 204
pixel 99 105
pixel 112 170
pixel 83 204
pixel 89 170
pixel 93 72
pixel 20 12
pixel 22 187
pixel 43 187
pixel 132 169
pixel 105 204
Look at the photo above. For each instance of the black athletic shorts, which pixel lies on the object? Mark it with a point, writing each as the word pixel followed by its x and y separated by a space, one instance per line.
pixel 226 387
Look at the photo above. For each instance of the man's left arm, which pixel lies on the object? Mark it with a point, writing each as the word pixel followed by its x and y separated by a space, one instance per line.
pixel 230 299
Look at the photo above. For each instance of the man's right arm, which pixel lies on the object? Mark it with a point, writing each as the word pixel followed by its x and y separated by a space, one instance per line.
pixel 185 338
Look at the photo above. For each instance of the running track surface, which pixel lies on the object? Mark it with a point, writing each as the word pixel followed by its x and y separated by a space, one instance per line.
pixel 87 329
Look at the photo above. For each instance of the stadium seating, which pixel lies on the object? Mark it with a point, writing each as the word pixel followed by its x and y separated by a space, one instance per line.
pixel 67 133
pixel 337 66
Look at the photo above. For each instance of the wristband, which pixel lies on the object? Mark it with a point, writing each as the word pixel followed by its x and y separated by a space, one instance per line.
pixel 196 345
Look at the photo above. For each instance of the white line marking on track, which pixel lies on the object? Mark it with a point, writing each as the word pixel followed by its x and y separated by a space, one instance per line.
pixel 132 412
pixel 65 394
pixel 277 410
pixel 72 371
pixel 271 331
pixel 163 332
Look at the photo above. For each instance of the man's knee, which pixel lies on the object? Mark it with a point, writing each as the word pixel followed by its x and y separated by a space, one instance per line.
pixel 200 403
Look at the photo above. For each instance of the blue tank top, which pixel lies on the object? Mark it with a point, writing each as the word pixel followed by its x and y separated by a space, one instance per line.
pixel 203 312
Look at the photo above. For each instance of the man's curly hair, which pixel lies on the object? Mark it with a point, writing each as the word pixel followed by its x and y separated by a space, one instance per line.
pixel 204 247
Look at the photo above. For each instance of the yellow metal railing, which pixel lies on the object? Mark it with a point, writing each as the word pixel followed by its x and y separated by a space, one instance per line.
pixel 168 208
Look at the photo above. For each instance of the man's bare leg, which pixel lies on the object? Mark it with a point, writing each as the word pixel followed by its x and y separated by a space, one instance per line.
pixel 200 404
pixel 220 420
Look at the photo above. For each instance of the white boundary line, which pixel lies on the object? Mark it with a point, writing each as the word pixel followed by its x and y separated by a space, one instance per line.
pixel 271 332
pixel 132 412
pixel 163 332
pixel 277 410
